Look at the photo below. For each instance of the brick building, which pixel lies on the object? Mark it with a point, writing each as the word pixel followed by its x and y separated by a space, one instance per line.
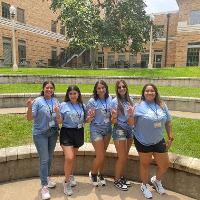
pixel 183 41
pixel 40 38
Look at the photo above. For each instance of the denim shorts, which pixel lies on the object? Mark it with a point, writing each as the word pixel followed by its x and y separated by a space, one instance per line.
pixel 120 133
pixel 98 133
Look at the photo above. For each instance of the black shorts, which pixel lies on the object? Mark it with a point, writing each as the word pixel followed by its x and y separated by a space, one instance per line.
pixel 160 147
pixel 72 137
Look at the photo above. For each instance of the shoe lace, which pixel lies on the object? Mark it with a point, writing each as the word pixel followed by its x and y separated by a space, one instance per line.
pixel 123 179
pixel 71 178
pixel 68 186
pixel 45 190
pixel 101 177
pixel 94 178
pixel 159 184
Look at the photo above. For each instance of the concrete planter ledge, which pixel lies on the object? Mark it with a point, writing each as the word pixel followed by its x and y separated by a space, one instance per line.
pixel 22 162
pixel 184 104
pixel 64 79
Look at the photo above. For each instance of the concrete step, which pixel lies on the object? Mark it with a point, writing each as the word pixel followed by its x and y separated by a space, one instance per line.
pixel 30 189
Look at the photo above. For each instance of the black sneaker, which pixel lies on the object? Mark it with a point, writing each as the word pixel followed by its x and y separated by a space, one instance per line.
pixel 93 179
pixel 125 181
pixel 120 185
pixel 101 180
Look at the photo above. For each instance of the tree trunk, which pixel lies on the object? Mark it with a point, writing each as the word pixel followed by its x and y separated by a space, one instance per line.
pixel 93 56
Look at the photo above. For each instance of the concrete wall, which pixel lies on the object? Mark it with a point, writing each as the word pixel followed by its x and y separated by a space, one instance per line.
pixel 173 103
pixel 161 81
pixel 22 162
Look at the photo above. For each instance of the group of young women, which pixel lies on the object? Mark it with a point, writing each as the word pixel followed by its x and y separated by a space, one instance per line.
pixel 120 117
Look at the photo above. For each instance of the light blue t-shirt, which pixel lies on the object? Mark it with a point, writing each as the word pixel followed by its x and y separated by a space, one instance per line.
pixel 102 108
pixel 72 114
pixel 147 115
pixel 122 119
pixel 43 114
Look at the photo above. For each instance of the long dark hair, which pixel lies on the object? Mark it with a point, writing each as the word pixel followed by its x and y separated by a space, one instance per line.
pixel 75 88
pixel 79 100
pixel 44 85
pixel 157 99
pixel 119 97
pixel 95 95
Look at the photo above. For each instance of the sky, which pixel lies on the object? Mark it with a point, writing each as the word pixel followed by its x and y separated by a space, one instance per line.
pixel 156 6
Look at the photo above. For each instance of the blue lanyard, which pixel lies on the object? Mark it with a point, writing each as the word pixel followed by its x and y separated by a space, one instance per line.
pixel 78 114
pixel 155 111
pixel 106 109
pixel 51 111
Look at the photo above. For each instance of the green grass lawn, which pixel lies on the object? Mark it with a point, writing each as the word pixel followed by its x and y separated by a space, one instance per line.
pixel 133 89
pixel 16 130
pixel 163 72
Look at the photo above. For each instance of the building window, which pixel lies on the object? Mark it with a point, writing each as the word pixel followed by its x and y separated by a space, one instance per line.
pixel 22 51
pixel 121 60
pixel 111 60
pixel 7 51
pixel 53 56
pixel 193 56
pixel 132 60
pixel 20 15
pixel 160 32
pixel 144 60
pixel 100 60
pixel 62 29
pixel 194 17
pixel 5 10
pixel 53 26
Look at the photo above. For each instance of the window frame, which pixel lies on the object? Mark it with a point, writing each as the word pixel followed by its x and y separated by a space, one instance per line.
pixel 195 21
pixel 20 15
pixel 53 26
pixel 7 8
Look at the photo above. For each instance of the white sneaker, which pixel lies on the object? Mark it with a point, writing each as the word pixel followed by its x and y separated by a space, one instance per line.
pixel 101 180
pixel 45 193
pixel 51 183
pixel 72 180
pixel 67 188
pixel 157 185
pixel 93 179
pixel 147 194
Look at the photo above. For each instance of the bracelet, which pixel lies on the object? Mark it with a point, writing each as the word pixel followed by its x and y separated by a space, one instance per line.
pixel 114 117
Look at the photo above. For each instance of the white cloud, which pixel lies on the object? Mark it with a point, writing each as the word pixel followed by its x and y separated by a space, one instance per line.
pixel 155 6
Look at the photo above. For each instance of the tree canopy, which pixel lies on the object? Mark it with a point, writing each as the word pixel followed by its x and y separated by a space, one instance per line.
pixel 117 24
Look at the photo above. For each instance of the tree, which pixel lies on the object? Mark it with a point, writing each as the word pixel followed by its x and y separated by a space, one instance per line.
pixel 118 24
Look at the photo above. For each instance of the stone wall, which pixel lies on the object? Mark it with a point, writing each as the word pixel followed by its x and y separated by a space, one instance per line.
pixel 22 162
pixel 174 103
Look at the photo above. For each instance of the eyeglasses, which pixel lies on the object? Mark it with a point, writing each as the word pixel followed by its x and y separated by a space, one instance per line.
pixel 121 87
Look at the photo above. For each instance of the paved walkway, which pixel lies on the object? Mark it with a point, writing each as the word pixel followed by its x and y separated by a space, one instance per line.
pixel 30 190
pixel 22 110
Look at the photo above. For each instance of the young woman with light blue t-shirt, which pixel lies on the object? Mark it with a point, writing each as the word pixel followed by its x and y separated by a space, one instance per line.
pixel 99 113
pixel 151 118
pixel 72 116
pixel 45 132
pixel 123 120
